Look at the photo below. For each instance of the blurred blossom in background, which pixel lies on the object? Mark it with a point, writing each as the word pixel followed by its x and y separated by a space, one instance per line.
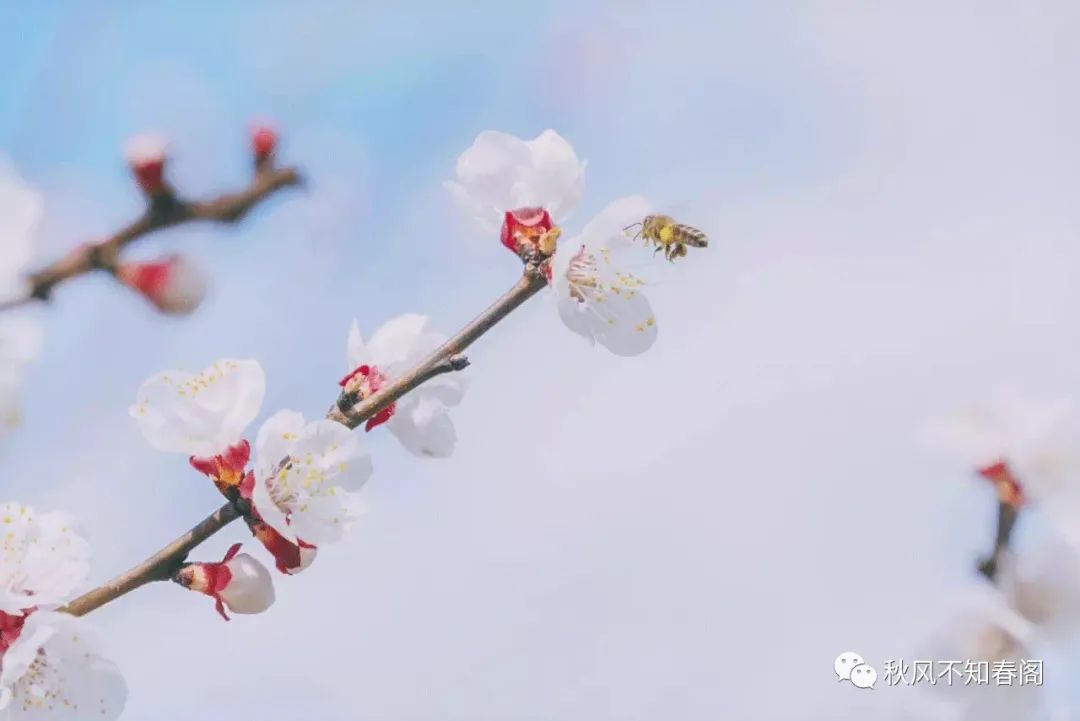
pixel 694 533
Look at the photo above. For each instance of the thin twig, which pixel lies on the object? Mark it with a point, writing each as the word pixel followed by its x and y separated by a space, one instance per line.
pixel 445 359
pixel 162 212
pixel 1008 513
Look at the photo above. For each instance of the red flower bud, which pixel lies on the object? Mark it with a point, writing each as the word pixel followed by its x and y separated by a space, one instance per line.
pixel 174 285
pixel 146 156
pixel 523 227
pixel 263 142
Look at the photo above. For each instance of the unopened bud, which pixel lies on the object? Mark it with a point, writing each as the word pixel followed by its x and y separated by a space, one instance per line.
pixel 263 142
pixel 175 284
pixel 146 154
pixel 250 590
pixel 238 582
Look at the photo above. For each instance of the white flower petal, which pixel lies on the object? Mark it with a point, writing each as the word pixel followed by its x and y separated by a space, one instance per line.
pixel 486 174
pixel 270 510
pixel 397 341
pixel 423 426
pixel 200 414
pixel 448 388
pixel 54 671
pixel 556 180
pixel 1038 441
pixel 328 453
pixel 302 471
pixel 983 628
pixel 500 172
pixel 597 296
pixel 608 229
pixel 420 420
pixel 273 444
pixel 250 588
pixel 1004 427
pixel 326 517
pixel 275 440
pixel 605 305
pixel 20 656
pixel 42 559
pixel 1045 588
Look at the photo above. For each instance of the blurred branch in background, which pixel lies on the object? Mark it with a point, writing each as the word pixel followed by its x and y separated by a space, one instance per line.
pixel 173 284
pixel 1010 497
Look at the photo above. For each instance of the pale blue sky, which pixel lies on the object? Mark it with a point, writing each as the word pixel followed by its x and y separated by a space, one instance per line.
pixel 890 193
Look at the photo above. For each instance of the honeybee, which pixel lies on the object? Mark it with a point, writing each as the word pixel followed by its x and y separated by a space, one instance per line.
pixel 669 236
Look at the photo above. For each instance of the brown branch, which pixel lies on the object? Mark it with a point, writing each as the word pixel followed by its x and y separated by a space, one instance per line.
pixel 445 359
pixel 164 211
pixel 1008 513
pixel 158 567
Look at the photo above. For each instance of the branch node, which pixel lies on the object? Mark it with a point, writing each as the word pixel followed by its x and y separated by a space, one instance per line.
pixel 166 207
pixel 346 400
pixel 39 291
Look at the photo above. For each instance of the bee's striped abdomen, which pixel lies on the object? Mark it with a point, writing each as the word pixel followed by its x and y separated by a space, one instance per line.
pixel 691 236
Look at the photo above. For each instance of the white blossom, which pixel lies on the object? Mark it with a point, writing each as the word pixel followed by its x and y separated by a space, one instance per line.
pixel 420 420
pixel 1043 586
pixel 1037 445
pixel 54 670
pixel 306 475
pixel 42 558
pixel 1025 434
pixel 983 629
pixel 50 662
pixel 500 172
pixel 530 187
pixel 200 414
pixel 597 294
